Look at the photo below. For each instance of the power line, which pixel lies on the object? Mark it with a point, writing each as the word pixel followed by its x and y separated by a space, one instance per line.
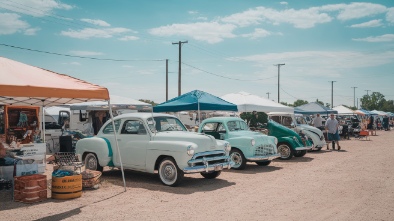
pixel 225 76
pixel 76 56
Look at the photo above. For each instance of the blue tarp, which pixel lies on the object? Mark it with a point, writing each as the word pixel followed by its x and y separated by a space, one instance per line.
pixel 368 112
pixel 314 108
pixel 195 100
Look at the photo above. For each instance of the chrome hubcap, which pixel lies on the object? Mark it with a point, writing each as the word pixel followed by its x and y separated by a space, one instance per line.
pixel 284 151
pixel 168 172
pixel 92 164
pixel 237 159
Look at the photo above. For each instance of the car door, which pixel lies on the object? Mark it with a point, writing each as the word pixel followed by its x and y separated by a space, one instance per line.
pixel 133 141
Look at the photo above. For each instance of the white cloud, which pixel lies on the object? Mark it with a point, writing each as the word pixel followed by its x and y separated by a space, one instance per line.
pixel 127 66
pixel 94 33
pixel 390 15
pixel 369 24
pixel 31 31
pixel 37 8
pixel 355 10
pixel 192 12
pixel 258 33
pixel 304 18
pixel 202 18
pixel 86 53
pixel 323 60
pixel 129 38
pixel 96 22
pixel 382 38
pixel 211 32
pixel 10 24
pixel 75 63
pixel 283 3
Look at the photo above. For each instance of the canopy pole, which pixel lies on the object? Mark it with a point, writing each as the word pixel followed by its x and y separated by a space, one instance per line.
pixel 117 144
pixel 198 108
pixel 43 121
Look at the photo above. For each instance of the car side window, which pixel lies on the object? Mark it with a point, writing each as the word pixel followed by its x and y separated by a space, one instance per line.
pixel 221 128
pixel 133 127
pixel 109 129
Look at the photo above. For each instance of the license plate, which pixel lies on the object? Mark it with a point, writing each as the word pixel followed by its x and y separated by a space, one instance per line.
pixel 218 167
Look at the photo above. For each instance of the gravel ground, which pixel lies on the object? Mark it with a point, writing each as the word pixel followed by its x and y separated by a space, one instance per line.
pixel 356 183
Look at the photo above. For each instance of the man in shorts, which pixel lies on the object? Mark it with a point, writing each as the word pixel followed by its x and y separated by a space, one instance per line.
pixel 332 128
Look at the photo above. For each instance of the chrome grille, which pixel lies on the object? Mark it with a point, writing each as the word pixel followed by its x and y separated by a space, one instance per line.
pixel 212 157
pixel 265 150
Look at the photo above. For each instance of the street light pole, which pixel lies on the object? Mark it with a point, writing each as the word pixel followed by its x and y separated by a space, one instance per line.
pixel 179 69
pixel 278 79
pixel 354 96
pixel 332 93
pixel 367 91
pixel 268 94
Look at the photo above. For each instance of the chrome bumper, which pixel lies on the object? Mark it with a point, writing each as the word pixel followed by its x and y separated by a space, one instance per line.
pixel 304 148
pixel 261 158
pixel 209 168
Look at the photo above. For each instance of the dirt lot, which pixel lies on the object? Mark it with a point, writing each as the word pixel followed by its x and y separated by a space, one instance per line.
pixel 356 183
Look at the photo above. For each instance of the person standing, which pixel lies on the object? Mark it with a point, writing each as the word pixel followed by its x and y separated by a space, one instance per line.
pixel 332 126
pixel 318 122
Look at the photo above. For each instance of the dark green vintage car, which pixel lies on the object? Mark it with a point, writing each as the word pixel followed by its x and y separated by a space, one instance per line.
pixel 289 142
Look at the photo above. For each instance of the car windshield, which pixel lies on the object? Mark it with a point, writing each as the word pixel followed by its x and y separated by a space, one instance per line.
pixel 300 120
pixel 165 123
pixel 237 125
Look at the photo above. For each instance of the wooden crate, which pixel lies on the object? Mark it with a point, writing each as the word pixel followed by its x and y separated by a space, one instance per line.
pixel 30 189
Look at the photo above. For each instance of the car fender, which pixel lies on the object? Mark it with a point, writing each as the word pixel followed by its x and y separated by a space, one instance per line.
pixel 99 146
pixel 175 149
pixel 290 140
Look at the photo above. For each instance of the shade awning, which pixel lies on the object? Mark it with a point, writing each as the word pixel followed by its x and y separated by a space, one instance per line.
pixel 23 84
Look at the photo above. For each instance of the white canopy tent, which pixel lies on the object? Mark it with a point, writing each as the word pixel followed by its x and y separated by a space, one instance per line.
pixel 342 110
pixel 247 102
pixel 117 102
pixel 23 84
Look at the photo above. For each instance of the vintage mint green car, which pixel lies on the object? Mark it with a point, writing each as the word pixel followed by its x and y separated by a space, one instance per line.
pixel 289 142
pixel 246 145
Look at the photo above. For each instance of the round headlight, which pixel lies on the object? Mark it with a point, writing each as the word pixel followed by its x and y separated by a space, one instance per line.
pixel 190 150
pixel 253 142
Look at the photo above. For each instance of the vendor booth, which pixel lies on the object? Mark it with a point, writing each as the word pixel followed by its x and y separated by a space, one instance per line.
pixel 24 92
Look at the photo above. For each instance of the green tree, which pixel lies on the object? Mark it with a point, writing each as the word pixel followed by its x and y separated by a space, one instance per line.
pixel 253 120
pixel 286 104
pixel 375 101
pixel 328 105
pixel 148 101
pixel 299 103
pixel 320 102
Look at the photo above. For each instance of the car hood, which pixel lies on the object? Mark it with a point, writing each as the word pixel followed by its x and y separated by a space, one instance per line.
pixel 204 142
pixel 260 138
pixel 310 128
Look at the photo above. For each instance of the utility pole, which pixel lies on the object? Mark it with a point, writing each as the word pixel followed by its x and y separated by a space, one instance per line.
pixel 278 79
pixel 367 91
pixel 332 93
pixel 179 70
pixel 268 94
pixel 354 96
pixel 166 79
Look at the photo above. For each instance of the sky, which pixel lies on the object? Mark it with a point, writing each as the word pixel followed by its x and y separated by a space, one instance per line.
pixel 229 46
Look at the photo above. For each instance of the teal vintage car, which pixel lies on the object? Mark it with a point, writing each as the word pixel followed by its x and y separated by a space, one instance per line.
pixel 289 142
pixel 246 145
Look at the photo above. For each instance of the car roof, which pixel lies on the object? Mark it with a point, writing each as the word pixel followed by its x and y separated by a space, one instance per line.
pixel 143 115
pixel 222 119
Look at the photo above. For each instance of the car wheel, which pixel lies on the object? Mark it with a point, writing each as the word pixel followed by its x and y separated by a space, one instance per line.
pixel 169 173
pixel 286 153
pixel 211 175
pixel 263 163
pixel 238 158
pixel 91 162
pixel 299 153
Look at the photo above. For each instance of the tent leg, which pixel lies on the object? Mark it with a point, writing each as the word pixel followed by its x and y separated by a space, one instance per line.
pixel 117 144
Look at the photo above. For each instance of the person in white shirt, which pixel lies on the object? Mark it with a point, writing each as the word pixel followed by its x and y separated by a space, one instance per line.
pixel 332 128
pixel 318 122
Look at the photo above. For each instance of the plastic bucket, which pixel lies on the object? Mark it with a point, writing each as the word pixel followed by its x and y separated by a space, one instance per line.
pixel 68 187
